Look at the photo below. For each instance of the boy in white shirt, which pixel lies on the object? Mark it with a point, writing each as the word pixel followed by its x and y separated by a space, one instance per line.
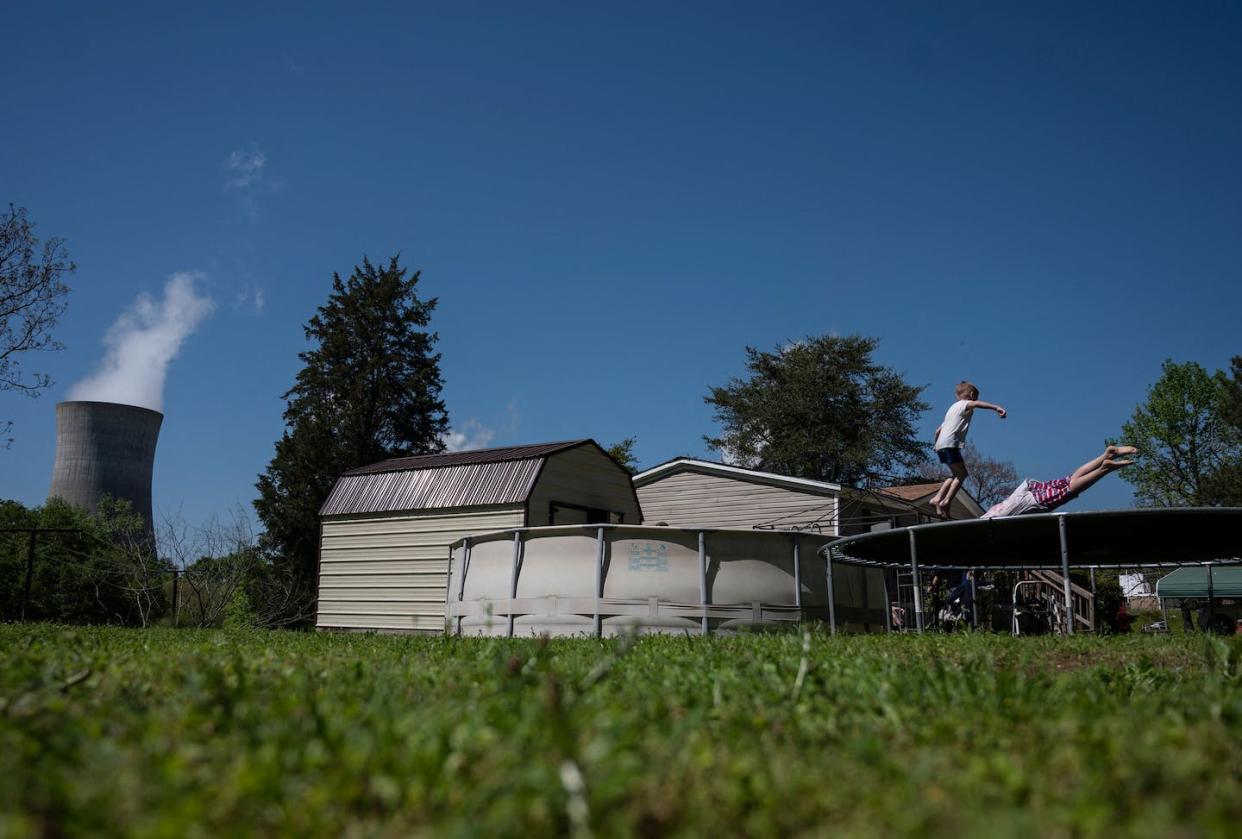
pixel 950 437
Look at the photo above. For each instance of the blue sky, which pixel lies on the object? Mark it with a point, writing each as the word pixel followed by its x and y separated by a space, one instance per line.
pixel 612 200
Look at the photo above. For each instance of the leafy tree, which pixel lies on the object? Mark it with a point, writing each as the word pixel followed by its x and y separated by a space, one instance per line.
pixel 990 480
pixel 87 568
pixel 1224 484
pixel 1188 446
pixel 821 409
pixel 369 390
pixel 32 299
pixel 623 453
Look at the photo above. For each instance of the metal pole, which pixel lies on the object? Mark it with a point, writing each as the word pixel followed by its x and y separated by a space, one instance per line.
pixel 888 605
pixel 974 601
pixel 30 558
pixel 918 584
pixel 703 576
pixel 1069 593
pixel 599 580
pixel 513 580
pixel 1211 610
pixel 832 597
pixel 797 575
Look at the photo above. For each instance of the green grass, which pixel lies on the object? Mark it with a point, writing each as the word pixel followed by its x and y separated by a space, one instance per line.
pixel 166 733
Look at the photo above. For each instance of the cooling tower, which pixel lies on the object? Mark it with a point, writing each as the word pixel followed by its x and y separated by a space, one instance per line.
pixel 103 447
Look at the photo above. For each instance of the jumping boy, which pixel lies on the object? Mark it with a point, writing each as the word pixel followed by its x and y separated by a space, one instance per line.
pixel 950 437
pixel 1043 496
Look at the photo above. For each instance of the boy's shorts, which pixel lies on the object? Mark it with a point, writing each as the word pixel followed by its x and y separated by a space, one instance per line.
pixel 950 455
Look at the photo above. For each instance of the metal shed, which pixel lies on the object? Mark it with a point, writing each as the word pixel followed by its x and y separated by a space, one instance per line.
pixel 386 528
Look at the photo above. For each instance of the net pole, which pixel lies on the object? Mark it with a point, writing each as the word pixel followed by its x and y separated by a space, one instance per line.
pixel 832 599
pixel 1065 577
pixel 918 583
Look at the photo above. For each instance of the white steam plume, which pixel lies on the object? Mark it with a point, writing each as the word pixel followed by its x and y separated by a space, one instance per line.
pixel 144 339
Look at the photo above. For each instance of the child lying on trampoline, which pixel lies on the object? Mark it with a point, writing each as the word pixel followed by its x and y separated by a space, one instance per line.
pixel 1043 496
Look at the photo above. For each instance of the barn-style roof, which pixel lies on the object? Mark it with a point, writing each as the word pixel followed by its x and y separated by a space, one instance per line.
pixel 477 478
pixel 439 461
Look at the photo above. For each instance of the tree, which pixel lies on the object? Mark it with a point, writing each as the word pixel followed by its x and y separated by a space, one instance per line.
pixel 623 453
pixel 1188 445
pixel 1224 484
pixel 820 409
pixel 88 568
pixel 369 390
pixel 32 299
pixel 990 481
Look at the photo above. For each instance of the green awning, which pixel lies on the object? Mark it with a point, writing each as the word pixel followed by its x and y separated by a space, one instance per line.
pixel 1192 581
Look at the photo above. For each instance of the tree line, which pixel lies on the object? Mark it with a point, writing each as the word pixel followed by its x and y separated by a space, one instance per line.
pixel 370 389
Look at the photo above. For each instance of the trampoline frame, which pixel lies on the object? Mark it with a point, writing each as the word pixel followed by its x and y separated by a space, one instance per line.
pixel 836 551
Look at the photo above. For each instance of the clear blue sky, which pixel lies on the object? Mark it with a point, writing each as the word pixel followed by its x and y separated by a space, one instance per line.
pixel 610 202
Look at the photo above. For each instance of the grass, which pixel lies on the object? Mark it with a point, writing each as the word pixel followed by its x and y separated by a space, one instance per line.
pixel 201 733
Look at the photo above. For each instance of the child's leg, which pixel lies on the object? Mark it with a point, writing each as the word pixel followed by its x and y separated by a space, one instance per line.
pixel 950 488
pixel 1091 471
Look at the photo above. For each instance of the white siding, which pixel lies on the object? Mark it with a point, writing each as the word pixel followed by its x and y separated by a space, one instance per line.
pixel 389 571
pixel 692 499
pixel 587 477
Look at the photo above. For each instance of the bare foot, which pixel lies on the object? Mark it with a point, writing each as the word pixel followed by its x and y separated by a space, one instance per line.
pixel 1113 451
pixel 1117 464
pixel 942 510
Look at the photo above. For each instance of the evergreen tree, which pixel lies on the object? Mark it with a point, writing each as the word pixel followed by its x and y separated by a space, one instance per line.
pixel 821 409
pixel 623 453
pixel 369 390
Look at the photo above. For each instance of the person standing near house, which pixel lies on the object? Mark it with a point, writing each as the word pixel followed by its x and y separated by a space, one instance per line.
pixel 950 437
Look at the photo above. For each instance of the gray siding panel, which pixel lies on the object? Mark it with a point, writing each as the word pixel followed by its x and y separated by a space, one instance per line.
pixel 389 572
pixel 691 499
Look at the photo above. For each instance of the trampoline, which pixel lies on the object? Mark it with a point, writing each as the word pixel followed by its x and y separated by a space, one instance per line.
pixel 1148 538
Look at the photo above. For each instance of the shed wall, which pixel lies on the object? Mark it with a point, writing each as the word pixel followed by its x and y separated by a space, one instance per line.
pixel 389 571
pixel 584 476
pixel 692 499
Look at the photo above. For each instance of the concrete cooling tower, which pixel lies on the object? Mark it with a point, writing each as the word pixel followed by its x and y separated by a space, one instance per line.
pixel 104 447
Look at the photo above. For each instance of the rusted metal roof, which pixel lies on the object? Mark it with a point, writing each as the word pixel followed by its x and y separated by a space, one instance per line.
pixel 436 461
pixel 483 477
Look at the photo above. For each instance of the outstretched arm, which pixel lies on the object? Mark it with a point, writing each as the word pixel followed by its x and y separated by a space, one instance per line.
pixel 978 403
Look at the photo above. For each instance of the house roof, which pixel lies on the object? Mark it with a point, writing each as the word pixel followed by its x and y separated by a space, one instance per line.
pixel 710 467
pixel 910 492
pixel 477 478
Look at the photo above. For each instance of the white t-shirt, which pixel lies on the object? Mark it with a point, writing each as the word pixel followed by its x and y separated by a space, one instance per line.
pixel 1019 502
pixel 956 424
